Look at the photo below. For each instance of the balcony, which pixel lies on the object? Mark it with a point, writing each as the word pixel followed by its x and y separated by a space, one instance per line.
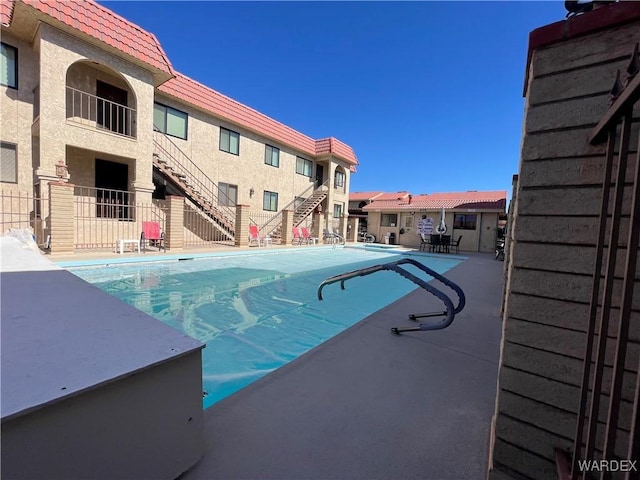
pixel 86 109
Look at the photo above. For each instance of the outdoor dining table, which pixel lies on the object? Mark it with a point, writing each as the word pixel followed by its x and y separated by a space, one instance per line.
pixel 440 243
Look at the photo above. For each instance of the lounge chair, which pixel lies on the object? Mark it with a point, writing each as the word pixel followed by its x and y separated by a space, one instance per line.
pixel 254 236
pixel 297 236
pixel 307 236
pixel 152 235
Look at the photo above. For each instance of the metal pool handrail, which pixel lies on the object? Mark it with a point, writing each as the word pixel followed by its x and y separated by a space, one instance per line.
pixel 450 311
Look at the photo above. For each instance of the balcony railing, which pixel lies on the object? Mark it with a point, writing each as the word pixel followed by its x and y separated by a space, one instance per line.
pixel 87 109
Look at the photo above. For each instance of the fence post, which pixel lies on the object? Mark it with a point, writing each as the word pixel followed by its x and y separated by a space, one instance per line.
pixel 287 223
pixel 242 226
pixel 61 217
pixel 175 223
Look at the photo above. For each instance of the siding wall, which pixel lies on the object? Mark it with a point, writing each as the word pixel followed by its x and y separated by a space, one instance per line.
pixel 553 232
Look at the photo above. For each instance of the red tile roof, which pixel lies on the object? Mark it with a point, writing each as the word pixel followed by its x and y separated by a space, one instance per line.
pixel 473 200
pixel 98 22
pixel 188 90
pixel 360 196
pixel 6 10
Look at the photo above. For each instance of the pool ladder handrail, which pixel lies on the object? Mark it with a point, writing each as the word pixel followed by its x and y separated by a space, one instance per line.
pixel 450 311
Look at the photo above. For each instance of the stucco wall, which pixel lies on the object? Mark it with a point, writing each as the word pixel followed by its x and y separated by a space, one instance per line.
pixel 59 53
pixel 248 169
pixel 17 112
pixel 482 239
pixel 555 223
pixel 53 60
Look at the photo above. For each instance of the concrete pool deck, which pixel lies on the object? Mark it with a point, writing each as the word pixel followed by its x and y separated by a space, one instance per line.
pixel 367 404
pixel 370 405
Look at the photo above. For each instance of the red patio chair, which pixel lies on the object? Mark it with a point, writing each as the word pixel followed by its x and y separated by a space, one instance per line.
pixel 254 235
pixel 307 236
pixel 152 235
pixel 297 236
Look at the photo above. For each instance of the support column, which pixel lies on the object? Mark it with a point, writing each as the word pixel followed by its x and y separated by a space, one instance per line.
pixel 242 226
pixel 342 227
pixel 316 226
pixel 61 217
pixel 174 229
pixel 287 223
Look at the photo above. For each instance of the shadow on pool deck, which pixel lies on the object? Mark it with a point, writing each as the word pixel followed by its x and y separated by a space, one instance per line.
pixel 370 405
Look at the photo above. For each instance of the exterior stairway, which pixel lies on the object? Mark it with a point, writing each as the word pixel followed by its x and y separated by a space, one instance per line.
pixel 176 167
pixel 273 228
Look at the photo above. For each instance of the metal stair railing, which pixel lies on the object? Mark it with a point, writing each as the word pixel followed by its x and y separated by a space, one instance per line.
pixel 179 162
pixel 450 311
pixel 274 224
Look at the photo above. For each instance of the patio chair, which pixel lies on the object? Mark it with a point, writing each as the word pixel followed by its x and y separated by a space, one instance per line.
pixel 307 236
pixel 151 235
pixel 297 236
pixel 445 243
pixel 434 243
pixel 328 237
pixel 424 241
pixel 254 236
pixel 456 244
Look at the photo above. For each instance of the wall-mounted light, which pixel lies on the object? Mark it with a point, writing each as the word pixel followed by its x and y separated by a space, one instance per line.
pixel 251 192
pixel 412 213
pixel 61 170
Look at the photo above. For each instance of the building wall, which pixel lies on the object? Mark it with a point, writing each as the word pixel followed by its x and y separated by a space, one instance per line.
pixel 552 250
pixel 55 59
pixel 482 239
pixel 60 53
pixel 17 112
pixel 248 169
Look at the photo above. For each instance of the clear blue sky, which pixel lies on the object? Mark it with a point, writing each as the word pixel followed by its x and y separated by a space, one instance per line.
pixel 428 94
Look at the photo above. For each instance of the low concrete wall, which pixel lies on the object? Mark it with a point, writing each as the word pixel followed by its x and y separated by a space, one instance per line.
pixel 91 387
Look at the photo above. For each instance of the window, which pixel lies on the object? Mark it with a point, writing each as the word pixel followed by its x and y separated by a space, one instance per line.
pixel 9 66
pixel 170 121
pixel 229 141
pixel 270 201
pixel 227 194
pixel 408 222
pixel 272 156
pixel 337 210
pixel 9 163
pixel 303 166
pixel 338 179
pixel 388 219
pixel 465 222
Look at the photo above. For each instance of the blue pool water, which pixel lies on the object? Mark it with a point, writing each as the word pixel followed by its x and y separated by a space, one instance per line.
pixel 257 312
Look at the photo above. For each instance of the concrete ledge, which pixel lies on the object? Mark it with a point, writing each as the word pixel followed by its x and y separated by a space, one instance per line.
pixel 91 387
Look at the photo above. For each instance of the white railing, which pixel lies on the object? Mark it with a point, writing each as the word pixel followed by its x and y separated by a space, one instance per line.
pixel 87 109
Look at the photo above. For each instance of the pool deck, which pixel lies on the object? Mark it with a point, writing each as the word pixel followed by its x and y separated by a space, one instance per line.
pixel 367 404
pixel 370 405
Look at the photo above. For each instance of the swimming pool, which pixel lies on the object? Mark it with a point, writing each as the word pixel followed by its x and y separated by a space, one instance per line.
pixel 257 311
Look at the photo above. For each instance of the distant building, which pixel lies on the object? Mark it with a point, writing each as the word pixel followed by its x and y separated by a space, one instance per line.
pixel 473 215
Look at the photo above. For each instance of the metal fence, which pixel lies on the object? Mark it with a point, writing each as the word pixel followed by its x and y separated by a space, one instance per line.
pixel 23 210
pixel 608 422
pixel 104 216
pixel 269 223
pixel 88 109
pixel 200 230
